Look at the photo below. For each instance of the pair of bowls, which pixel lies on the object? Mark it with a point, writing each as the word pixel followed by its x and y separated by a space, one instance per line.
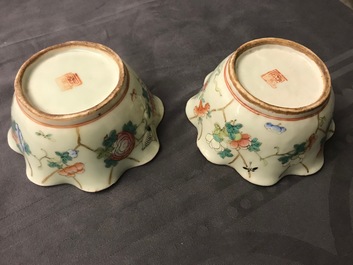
pixel 81 116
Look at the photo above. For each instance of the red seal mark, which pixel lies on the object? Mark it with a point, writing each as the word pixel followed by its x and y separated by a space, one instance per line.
pixel 274 77
pixel 68 81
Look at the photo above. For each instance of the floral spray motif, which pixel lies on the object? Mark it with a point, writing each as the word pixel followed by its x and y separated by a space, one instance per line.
pixel 21 144
pixel 18 137
pixel 229 141
pixel 118 146
pixel 202 109
pixel 61 162
pixel 54 160
pixel 228 137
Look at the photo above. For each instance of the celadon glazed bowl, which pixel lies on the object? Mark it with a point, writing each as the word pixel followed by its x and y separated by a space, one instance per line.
pixel 81 116
pixel 266 111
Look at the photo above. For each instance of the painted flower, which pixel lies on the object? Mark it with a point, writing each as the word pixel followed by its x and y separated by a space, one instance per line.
pixel 15 137
pixel 73 153
pixel 123 146
pixel 118 146
pixel 240 141
pixel 18 138
pixel 71 171
pixel 215 142
pixel 230 136
pixel 201 110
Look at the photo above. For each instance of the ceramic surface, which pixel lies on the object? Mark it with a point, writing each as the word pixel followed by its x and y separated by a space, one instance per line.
pixel 266 111
pixel 81 116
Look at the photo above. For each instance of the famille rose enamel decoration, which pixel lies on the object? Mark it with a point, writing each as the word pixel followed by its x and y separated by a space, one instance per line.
pixel 266 111
pixel 81 116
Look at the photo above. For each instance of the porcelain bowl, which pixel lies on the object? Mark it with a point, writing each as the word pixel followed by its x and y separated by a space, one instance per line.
pixel 81 116
pixel 266 110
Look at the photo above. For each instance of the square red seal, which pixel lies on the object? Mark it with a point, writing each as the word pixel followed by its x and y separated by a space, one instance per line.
pixel 273 77
pixel 68 81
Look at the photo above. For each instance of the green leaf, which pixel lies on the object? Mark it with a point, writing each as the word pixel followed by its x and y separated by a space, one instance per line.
pixel 225 153
pixel 110 139
pixel 233 129
pixel 145 93
pixel 14 125
pixel 104 153
pixel 254 145
pixel 65 157
pixel 100 151
pixel 218 138
pixel 110 163
pixel 147 97
pixel 299 148
pixel 26 149
pixel 284 159
pixel 54 164
pixel 130 127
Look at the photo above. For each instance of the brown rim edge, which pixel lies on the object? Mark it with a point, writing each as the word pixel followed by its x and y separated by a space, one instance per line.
pixel 282 110
pixel 22 100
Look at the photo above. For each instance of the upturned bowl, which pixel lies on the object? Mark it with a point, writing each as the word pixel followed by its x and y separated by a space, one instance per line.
pixel 81 116
pixel 266 111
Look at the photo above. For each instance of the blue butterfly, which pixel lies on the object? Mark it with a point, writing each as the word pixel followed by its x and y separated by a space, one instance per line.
pixel 275 128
